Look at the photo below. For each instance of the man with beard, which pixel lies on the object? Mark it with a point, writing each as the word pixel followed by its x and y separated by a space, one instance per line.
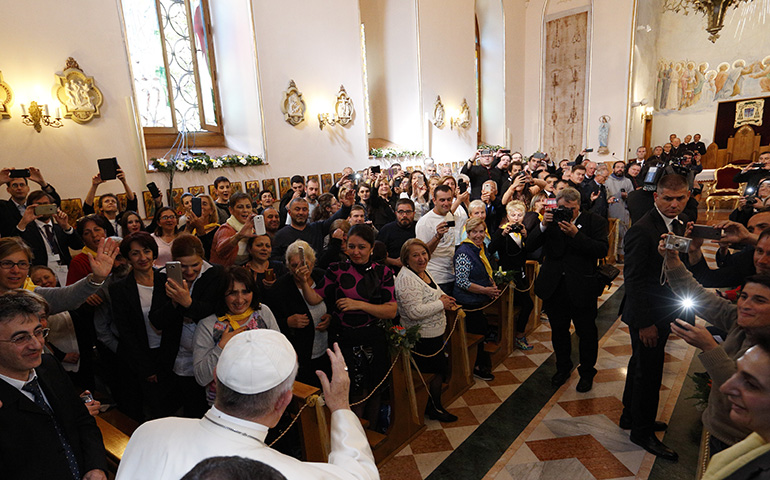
pixel 312 190
pixel 395 234
pixel 299 228
pixel 297 191
pixel 618 186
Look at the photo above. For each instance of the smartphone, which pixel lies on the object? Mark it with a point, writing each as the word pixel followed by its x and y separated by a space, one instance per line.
pixel 174 271
pixel 420 181
pixel 487 188
pixel 269 275
pixel 259 225
pixel 589 150
pixel 301 256
pixel 49 209
pixel 375 169
pixel 450 220
pixel 19 173
pixel 108 168
pixel 154 190
pixel 706 231
pixel 86 397
pixel 196 206
pixel 462 186
pixel 505 150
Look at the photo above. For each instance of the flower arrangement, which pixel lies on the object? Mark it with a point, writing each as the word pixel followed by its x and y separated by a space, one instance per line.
pixel 203 163
pixel 494 148
pixel 400 338
pixel 393 153
pixel 702 382
pixel 504 277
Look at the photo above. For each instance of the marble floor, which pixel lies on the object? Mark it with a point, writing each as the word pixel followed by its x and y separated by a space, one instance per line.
pixel 520 427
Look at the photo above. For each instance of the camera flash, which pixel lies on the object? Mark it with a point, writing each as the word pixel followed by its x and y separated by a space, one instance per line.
pixel 687 303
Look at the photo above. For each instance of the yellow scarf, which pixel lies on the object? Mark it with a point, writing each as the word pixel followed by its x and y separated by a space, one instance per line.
pixel 89 252
pixel 206 229
pixel 729 461
pixel 28 285
pixel 483 257
pixel 235 320
pixel 540 216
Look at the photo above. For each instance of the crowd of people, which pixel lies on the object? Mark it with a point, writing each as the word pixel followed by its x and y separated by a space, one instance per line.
pixel 144 316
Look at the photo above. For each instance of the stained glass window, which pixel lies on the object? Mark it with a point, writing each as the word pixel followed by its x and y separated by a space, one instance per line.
pixel 169 42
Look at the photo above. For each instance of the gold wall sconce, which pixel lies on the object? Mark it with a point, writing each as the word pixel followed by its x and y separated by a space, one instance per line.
pixel 463 117
pixel 647 113
pixel 343 111
pixel 37 115
pixel 6 98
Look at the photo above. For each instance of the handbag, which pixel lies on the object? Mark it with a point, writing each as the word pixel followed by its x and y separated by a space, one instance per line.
pixel 606 273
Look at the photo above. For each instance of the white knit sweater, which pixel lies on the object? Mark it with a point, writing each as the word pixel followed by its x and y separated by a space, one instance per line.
pixel 418 303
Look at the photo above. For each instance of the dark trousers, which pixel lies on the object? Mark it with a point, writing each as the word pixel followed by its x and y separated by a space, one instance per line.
pixel 645 372
pixel 525 304
pixel 561 312
pixel 477 324
pixel 447 288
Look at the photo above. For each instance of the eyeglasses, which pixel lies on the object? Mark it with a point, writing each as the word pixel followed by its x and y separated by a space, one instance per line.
pixel 168 217
pixel 404 212
pixel 25 338
pixel 7 265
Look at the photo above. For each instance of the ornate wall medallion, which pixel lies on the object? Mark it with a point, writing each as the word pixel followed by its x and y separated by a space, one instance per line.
pixel 77 93
pixel 293 106
pixel 6 98
pixel 344 107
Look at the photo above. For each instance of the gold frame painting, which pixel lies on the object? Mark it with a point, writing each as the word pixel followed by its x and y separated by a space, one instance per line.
pixel 235 187
pixel 252 189
pixel 326 182
pixel 175 199
pixel 73 207
pixel 197 189
pixel 149 205
pixel 269 184
pixel 283 186
pixel 213 192
pixel 6 98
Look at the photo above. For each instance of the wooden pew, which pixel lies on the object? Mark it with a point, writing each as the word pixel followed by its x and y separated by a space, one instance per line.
pixel 462 356
pixel 115 442
pixel 500 314
pixel 313 423
pixel 532 269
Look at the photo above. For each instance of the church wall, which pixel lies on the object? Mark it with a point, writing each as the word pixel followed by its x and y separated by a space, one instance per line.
pixel 447 36
pixel 515 39
pixel 610 44
pixel 393 71
pixel 35 41
pixel 493 94
pixel 644 70
pixel 683 39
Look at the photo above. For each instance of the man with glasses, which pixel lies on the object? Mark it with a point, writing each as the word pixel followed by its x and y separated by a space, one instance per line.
pixel 395 234
pixel 47 430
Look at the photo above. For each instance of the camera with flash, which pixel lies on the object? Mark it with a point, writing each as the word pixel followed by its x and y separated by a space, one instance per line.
pixel 680 244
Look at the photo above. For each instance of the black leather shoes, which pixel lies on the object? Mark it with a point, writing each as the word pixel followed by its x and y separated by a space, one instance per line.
pixel 625 424
pixel 441 415
pixel 585 384
pixel 559 379
pixel 655 447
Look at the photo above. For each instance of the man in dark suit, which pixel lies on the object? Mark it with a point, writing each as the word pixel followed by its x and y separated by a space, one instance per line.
pixel 568 283
pixel 47 430
pixel 697 145
pixel 12 210
pixel 649 308
pixel 50 240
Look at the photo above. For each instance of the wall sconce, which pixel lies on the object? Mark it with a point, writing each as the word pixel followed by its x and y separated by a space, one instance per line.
pixel 647 113
pixel 463 118
pixel 6 98
pixel 343 111
pixel 37 116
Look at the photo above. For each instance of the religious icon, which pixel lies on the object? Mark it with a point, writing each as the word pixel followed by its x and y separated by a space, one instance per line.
pixel 326 182
pixel 283 186
pixel 77 93
pixel 252 189
pixel 196 190
pixel 73 207
pixel 269 184
pixel 293 106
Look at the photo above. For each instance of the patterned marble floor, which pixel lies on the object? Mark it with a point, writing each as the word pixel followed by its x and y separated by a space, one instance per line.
pixel 573 436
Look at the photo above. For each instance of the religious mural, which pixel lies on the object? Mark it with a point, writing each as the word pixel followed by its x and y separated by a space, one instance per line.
pixel 565 85
pixel 695 86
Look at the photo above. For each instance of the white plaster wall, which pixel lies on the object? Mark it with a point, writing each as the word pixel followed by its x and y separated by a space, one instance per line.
pixel 35 42
pixel 644 70
pixel 317 44
pixel 447 39
pixel 393 71
pixel 515 40
pixel 610 43
pixel 491 20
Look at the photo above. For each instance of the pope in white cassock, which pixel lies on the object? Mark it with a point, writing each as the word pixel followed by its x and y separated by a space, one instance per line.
pixel 254 375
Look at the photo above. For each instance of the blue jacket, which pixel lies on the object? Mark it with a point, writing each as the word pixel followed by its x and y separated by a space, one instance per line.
pixel 478 275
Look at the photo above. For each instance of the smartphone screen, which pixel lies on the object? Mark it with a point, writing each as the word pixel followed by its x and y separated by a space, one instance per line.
pixel 108 168
pixel 650 178
pixel 19 173
pixel 706 231
pixel 196 206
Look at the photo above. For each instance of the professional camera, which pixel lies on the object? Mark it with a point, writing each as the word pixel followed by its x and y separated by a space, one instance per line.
pixel 562 214
pixel 679 167
pixel 516 228
pixel 680 244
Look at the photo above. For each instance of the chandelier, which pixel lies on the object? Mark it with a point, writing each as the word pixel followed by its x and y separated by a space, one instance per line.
pixel 714 9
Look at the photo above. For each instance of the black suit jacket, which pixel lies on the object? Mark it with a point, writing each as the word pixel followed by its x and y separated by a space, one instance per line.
pixel 574 258
pixel 647 302
pixel 10 215
pixel 128 318
pixel 33 237
pixel 29 446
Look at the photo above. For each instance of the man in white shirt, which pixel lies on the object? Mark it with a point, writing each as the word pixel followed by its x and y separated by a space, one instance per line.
pixel 254 376
pixel 435 230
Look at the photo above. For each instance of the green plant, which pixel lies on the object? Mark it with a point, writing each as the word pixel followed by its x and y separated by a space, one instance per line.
pixel 203 163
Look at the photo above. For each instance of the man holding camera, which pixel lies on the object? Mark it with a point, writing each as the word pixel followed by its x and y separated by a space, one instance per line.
pixel 572 243
pixel 754 200
pixel 481 173
pixel 753 173
pixel 649 308
pixel 17 185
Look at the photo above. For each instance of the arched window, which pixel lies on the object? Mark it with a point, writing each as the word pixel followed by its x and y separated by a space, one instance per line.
pixel 172 60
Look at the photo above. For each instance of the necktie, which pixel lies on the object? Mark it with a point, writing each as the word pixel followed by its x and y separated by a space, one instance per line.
pixel 676 227
pixel 51 239
pixel 33 387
